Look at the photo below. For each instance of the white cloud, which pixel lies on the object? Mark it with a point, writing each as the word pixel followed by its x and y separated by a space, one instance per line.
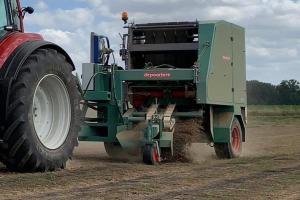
pixel 226 12
pixel 75 43
pixel 57 36
pixel 272 27
pixel 41 5
pixel 62 19
pixel 292 53
pixel 260 52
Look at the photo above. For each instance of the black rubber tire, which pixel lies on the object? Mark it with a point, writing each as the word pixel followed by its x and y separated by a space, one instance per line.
pixel 226 150
pixel 22 150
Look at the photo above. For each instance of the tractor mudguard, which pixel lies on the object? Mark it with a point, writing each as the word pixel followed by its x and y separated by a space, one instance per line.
pixel 16 60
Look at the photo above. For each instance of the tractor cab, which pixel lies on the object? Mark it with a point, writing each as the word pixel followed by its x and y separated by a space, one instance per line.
pixel 11 16
pixel 10 19
pixel 11 28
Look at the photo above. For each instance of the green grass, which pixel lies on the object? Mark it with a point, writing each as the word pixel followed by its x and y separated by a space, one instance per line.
pixel 276 115
pixel 274 110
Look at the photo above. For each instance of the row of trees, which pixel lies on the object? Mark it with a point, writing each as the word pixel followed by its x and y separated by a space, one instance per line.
pixel 286 93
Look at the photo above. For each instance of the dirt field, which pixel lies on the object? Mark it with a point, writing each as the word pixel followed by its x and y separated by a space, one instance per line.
pixel 269 169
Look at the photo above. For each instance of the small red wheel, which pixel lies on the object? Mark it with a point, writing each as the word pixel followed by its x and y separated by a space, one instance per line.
pixel 236 139
pixel 155 154
pixel 151 154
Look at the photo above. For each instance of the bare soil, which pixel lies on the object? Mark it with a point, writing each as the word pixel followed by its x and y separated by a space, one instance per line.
pixel 269 169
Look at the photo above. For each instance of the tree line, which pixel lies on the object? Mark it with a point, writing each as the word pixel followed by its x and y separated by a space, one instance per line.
pixel 286 93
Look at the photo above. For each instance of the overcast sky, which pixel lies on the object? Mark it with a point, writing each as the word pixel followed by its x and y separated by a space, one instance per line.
pixel 272 27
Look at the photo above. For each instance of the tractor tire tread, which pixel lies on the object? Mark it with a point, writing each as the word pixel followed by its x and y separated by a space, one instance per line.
pixel 23 152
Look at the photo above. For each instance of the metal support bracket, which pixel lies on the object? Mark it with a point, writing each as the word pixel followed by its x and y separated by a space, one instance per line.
pixel 151 111
pixel 169 122
pixel 128 113
pixel 196 75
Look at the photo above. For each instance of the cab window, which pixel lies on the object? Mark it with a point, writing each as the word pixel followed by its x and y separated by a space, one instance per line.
pixel 15 14
pixel 3 15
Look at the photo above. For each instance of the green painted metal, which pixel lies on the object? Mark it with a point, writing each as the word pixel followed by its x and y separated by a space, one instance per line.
pixel 106 128
pixel 151 132
pixel 193 114
pixel 93 134
pixel 98 96
pixel 136 119
pixel 222 135
pixel 156 75
pixel 222 65
pixel 205 45
pixel 239 66
pixel 102 85
pixel 132 140
pixel 219 78
pixel 166 139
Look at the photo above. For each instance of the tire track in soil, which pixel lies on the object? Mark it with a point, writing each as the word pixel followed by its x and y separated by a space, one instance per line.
pixel 130 187
pixel 120 183
pixel 267 174
pixel 223 185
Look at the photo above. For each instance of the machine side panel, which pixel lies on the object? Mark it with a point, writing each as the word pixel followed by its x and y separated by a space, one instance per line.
pixel 220 76
pixel 239 65
pixel 206 34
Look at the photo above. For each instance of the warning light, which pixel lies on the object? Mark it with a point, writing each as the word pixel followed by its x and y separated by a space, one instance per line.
pixel 125 17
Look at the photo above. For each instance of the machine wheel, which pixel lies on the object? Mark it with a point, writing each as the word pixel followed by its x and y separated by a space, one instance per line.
pixel 151 154
pixel 44 116
pixel 234 148
pixel 114 150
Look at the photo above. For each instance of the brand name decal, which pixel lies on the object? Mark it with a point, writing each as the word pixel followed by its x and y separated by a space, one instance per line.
pixel 157 75
pixel 226 58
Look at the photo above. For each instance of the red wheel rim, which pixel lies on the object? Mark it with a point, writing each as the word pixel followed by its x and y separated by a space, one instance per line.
pixel 236 139
pixel 155 154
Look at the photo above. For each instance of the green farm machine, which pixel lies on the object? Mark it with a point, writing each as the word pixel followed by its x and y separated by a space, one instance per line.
pixel 179 79
pixel 174 72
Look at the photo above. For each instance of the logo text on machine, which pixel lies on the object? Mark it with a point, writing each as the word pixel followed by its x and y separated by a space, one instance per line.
pixel 157 75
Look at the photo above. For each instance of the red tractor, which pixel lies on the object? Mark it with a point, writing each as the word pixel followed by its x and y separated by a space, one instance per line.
pixel 40 115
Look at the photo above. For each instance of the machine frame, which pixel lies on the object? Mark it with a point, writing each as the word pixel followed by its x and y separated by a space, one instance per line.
pixel 219 77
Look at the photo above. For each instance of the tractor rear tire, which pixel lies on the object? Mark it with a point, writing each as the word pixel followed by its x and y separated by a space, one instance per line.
pixel 232 149
pixel 44 117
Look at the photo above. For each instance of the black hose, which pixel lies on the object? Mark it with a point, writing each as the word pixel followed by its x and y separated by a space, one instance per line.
pixel 94 75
